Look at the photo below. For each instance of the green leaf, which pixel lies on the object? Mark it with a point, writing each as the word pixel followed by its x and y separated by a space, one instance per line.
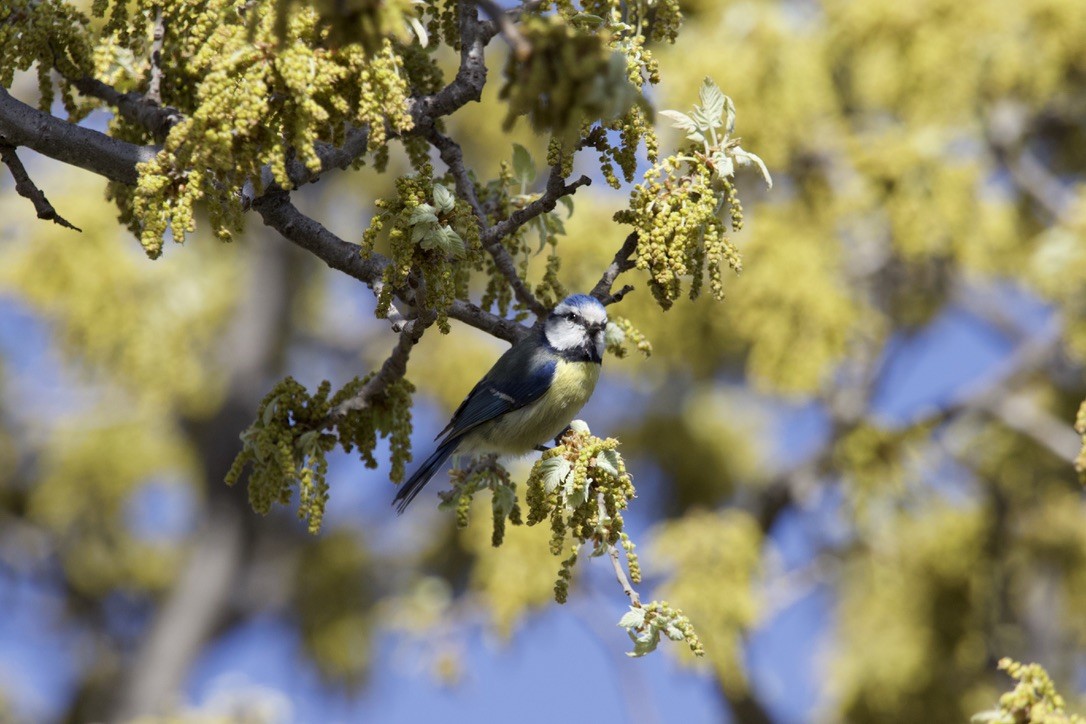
pixel 713 102
pixel 443 199
pixel 745 158
pixel 421 234
pixel 608 461
pixel 449 241
pixel 644 644
pixel 269 412
pixel 422 214
pixel 587 21
pixel 553 471
pixel 633 619
pixel 567 201
pixel 523 165
pixel 580 427
pixel 505 497
pixel 574 497
pixel 680 120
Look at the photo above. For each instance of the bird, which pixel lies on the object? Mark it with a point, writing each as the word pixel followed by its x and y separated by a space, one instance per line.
pixel 529 396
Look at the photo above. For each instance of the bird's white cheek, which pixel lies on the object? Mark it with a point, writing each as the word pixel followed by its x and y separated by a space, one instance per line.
pixel 564 335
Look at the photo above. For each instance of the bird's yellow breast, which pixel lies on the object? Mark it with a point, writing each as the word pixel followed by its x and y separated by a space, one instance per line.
pixel 541 421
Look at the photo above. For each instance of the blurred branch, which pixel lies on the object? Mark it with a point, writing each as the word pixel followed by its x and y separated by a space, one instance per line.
pixel 1006 130
pixel 182 622
pixel 521 48
pixel 201 598
pixel 26 188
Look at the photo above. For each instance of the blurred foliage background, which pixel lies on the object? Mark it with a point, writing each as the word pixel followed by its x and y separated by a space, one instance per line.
pixel 879 415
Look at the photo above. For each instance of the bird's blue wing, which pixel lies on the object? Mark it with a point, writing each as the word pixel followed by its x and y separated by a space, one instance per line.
pixel 517 379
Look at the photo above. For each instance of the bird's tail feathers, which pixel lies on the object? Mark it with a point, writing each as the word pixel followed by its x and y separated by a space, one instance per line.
pixel 416 482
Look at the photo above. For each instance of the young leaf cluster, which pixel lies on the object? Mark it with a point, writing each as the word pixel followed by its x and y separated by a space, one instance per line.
pixel 484 473
pixel 580 487
pixel 683 208
pixel 507 194
pixel 288 443
pixel 647 623
pixel 430 233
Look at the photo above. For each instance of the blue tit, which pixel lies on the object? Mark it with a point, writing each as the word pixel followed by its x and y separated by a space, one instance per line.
pixel 529 396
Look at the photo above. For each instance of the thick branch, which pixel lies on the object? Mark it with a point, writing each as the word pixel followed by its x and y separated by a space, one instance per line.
pixel 132 106
pixel 26 188
pixel 279 213
pixel 22 125
pixel 470 78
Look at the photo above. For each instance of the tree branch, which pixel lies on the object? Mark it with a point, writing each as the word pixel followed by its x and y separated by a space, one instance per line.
pixel 621 263
pixel 280 214
pixel 22 125
pixel 158 120
pixel 154 88
pixel 453 156
pixel 620 572
pixel 26 188
pixel 393 368
pixel 556 189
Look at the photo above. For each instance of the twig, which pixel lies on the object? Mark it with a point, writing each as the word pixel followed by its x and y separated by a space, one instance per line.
pixel 1006 129
pixel 27 189
pixel 393 368
pixel 395 316
pixel 154 88
pixel 621 263
pixel 556 189
pixel 620 572
pixel 522 49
